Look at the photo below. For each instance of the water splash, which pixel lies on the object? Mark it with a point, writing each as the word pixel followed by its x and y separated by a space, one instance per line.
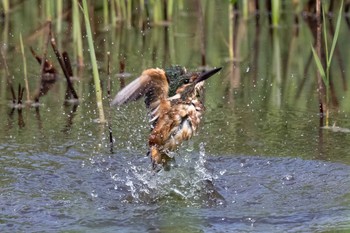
pixel 188 181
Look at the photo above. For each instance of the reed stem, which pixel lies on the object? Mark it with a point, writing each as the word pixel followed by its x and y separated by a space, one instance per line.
pixel 323 73
pixel 157 11
pixel 64 68
pixel 48 10
pixel 170 9
pixel 77 36
pixel 276 5
pixel 129 13
pixel 109 100
pixel 6 5
pixel 245 9
pixel 122 7
pixel 230 31
pixel 105 13
pixel 24 68
pixel 94 64
pixel 113 14
pixel 59 15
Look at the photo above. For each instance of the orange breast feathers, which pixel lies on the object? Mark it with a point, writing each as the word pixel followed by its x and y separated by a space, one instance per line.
pixel 175 124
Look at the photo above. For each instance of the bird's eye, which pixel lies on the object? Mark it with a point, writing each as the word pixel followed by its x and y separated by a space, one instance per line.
pixel 186 81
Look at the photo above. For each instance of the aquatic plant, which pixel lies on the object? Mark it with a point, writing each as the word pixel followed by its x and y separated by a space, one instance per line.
pixel 94 64
pixel 48 9
pixel 59 10
pixel 325 71
pixel 77 36
pixel 231 25
pixel 109 100
pixel 25 75
pixel 276 7
pixel 67 73
pixel 245 9
pixel 105 13
pixel 6 5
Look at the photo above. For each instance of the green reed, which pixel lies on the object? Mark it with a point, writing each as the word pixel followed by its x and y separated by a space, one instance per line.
pixel 121 6
pixel 98 89
pixel 231 30
pixel 105 13
pixel 276 7
pixel 170 9
pixel 157 10
pixel 113 14
pixel 6 5
pixel 245 9
pixel 24 67
pixel 129 13
pixel 325 71
pixel 48 10
pixel 77 36
pixel 59 11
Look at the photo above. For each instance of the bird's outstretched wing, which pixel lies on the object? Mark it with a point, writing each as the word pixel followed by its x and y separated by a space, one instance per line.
pixel 152 84
pixel 133 91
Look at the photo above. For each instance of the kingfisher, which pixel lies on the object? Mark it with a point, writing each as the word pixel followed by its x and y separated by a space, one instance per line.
pixel 173 98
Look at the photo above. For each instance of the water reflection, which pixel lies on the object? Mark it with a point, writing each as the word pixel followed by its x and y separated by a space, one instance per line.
pixel 70 113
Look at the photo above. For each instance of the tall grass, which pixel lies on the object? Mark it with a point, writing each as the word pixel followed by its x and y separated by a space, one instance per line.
pixel 94 64
pixel 325 71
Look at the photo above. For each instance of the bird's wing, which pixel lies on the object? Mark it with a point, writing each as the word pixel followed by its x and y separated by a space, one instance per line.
pixel 152 84
pixel 133 91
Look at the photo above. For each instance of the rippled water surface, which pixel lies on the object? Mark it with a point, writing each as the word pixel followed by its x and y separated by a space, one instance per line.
pixel 59 180
pixel 69 190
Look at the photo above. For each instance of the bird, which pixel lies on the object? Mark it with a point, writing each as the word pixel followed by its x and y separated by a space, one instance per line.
pixel 173 97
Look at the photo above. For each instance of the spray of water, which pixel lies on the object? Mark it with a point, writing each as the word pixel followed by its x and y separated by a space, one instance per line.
pixel 188 181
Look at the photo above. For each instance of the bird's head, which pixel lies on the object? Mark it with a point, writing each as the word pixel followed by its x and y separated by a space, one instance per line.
pixel 181 81
pixel 176 76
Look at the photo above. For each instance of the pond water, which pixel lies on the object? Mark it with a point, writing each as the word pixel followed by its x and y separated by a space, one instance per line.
pixel 260 162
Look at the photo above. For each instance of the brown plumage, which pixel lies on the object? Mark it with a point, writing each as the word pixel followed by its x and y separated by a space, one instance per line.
pixel 174 119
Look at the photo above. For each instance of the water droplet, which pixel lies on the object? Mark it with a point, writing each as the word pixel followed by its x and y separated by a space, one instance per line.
pixel 288 177
pixel 223 172
pixel 94 194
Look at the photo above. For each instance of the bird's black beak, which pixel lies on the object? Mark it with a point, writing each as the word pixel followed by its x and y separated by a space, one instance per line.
pixel 205 75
